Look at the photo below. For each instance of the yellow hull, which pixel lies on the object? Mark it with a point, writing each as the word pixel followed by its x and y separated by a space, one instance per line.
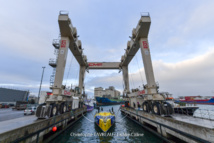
pixel 104 120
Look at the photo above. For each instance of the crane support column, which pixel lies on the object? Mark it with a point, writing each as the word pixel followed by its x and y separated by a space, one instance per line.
pixel 126 78
pixel 81 78
pixel 61 61
pixel 152 87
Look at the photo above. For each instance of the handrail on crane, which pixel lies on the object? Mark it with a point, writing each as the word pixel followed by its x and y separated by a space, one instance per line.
pixel 56 43
pixel 63 12
pixel 145 14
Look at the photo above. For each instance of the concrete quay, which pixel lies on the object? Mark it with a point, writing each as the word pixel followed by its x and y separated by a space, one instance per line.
pixel 177 128
pixel 37 130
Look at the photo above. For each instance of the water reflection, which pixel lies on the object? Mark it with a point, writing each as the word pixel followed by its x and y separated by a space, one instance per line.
pixel 119 132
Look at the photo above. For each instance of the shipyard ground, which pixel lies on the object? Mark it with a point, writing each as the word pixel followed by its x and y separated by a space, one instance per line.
pixel 30 129
pixel 8 114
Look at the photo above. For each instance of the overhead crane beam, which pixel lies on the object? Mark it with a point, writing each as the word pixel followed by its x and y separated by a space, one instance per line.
pixel 104 65
pixel 67 30
pixel 75 45
pixel 139 39
pixel 141 31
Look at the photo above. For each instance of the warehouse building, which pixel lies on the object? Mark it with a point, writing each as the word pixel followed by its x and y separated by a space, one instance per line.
pixel 10 96
pixel 110 92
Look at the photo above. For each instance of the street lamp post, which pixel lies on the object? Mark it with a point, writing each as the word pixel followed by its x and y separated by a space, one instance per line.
pixel 40 85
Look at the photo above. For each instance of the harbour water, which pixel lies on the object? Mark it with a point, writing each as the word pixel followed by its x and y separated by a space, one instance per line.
pixel 124 131
pixel 206 107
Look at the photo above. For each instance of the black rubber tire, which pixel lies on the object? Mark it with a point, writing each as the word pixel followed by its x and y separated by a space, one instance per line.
pixel 145 107
pixel 53 107
pixel 62 106
pixel 38 110
pixel 169 108
pixel 157 106
pixel 66 104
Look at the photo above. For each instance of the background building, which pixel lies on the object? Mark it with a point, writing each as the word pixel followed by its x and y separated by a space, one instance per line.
pixel 43 95
pixel 32 97
pixel 110 92
pixel 12 95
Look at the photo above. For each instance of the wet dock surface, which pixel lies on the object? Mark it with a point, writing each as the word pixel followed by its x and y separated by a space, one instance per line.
pixel 195 121
pixel 8 114
pixel 16 123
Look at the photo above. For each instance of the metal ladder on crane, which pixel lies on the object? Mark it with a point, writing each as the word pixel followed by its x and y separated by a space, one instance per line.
pixel 53 62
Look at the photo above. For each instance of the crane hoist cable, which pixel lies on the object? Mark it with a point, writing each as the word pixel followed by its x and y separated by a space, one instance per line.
pixel 123 84
pixel 132 80
pixel 77 76
pixel 139 69
pixel 84 82
pixel 69 68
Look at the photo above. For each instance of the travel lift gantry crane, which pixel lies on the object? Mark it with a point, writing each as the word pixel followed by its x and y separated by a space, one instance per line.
pixel 151 100
pixel 62 99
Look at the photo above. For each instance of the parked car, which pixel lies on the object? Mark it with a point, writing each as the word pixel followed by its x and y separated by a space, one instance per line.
pixel 5 105
pixel 11 104
pixel 30 111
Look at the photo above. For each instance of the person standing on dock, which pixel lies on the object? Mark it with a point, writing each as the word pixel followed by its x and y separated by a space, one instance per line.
pixel 138 105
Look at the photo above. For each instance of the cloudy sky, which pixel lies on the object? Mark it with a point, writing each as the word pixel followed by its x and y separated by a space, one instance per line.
pixel 181 40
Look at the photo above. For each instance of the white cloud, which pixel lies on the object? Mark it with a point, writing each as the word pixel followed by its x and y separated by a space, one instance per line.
pixel 200 19
pixel 189 77
pixel 179 34
pixel 29 42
